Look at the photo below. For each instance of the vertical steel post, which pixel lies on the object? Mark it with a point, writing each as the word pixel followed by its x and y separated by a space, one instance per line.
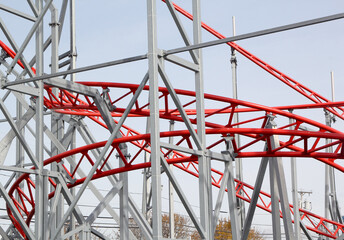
pixel 238 161
pixel 295 193
pixel 154 119
pixel 124 203
pixel 39 190
pixel 171 190
pixel 205 193
pixel 56 123
pixel 146 184
pixel 72 79
pixel 72 39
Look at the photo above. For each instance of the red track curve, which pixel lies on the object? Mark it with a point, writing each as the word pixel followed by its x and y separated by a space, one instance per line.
pixel 312 148
pixel 83 156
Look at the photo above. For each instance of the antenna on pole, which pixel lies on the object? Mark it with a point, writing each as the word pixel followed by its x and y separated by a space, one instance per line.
pixel 332 86
pixel 233 23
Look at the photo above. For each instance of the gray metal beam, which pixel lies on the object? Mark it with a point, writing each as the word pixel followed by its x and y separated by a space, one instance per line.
pixel 180 108
pixel 182 62
pixel 69 199
pixel 257 33
pixel 55 201
pixel 29 234
pixel 99 234
pixel 114 134
pixel 18 133
pixel 233 210
pixel 24 89
pixel 3 234
pixel 254 198
pixel 70 86
pixel 154 118
pixel 182 197
pixel 220 196
pixel 103 203
pixel 283 193
pixel 181 149
pixel 15 47
pixel 181 29
pixel 295 193
pixel 204 165
pixel 18 13
pixel 305 231
pixel 33 7
pixel 5 143
pixel 77 70
pixel 275 210
pixel 32 31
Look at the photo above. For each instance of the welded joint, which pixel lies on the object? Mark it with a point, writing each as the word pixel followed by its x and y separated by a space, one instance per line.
pixel 56 116
pixel 3 81
pixel 75 120
pixel 107 100
pixel 33 104
pixel 229 147
pixel 3 55
pixel 62 172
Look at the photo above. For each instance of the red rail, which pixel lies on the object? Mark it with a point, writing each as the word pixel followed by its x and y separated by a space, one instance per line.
pixel 305 91
pixel 24 187
pixel 65 101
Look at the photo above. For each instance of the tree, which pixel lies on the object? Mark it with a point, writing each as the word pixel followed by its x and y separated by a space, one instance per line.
pixel 181 227
pixel 224 231
pixel 184 229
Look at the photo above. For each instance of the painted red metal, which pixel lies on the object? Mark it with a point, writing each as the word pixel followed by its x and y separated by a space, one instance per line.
pixel 182 161
pixel 65 102
pixel 300 88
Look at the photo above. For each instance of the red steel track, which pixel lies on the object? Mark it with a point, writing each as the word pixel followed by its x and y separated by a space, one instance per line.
pixel 219 123
pixel 312 143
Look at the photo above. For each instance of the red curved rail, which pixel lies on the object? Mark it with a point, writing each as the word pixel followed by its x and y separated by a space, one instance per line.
pixel 184 162
pixel 311 141
pixel 300 88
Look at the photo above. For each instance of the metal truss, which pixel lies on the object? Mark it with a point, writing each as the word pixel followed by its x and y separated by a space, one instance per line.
pixel 53 108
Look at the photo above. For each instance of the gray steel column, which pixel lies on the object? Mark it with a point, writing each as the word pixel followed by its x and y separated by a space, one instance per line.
pixel 56 122
pixel 171 190
pixel 276 224
pixel 72 39
pixel 124 203
pixel 146 183
pixel 295 195
pixel 40 207
pixel 72 79
pixel 205 193
pixel 154 119
pixel 238 161
pixel 19 147
pixel 327 176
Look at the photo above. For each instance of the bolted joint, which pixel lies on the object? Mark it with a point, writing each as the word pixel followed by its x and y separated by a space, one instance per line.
pixel 3 55
pixel 127 156
pixel 54 24
pixel 33 101
pixel 270 121
pixel 233 57
pixel 3 82
pixel 56 116
pixel 73 54
pixel 75 120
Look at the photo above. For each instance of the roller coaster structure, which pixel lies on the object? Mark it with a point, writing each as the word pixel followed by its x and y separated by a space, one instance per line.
pixel 44 191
